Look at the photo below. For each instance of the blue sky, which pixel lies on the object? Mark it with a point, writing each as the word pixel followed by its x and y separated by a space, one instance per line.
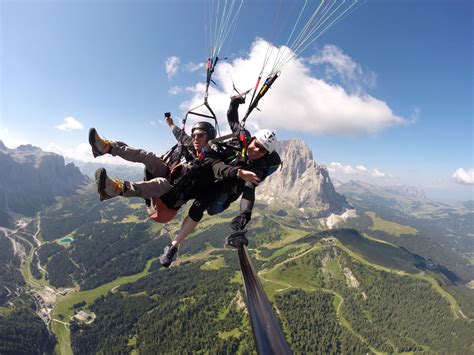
pixel 385 95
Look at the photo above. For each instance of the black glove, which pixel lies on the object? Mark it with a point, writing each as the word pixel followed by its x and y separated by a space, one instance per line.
pixel 239 222
pixel 237 239
pixel 238 99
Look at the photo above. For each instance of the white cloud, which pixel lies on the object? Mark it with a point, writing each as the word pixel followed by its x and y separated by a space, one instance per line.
pixel 298 101
pixel 69 124
pixel 193 67
pixel 345 169
pixel 171 65
pixel 464 177
pixel 357 171
pixel 377 173
pixel 83 152
pixel 338 65
pixel 80 152
pixel 175 90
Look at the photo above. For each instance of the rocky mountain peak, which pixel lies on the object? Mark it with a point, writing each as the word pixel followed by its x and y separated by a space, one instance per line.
pixel 28 148
pixel 31 179
pixel 297 159
pixel 302 182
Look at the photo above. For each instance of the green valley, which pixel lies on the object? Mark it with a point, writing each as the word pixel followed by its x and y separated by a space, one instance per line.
pixel 353 288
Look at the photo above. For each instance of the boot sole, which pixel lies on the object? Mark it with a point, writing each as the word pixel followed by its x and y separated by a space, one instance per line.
pixel 165 264
pixel 92 135
pixel 100 176
pixel 165 261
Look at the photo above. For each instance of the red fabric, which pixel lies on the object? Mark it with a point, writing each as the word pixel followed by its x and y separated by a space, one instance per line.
pixel 243 141
pixel 163 214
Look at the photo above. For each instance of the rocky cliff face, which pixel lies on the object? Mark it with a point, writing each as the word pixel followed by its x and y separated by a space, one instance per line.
pixel 302 183
pixel 31 179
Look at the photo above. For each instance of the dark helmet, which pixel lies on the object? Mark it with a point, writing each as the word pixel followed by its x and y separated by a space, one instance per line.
pixel 206 127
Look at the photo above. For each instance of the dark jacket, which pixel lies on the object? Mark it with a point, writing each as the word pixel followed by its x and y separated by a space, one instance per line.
pixel 194 182
pixel 228 157
pixel 181 152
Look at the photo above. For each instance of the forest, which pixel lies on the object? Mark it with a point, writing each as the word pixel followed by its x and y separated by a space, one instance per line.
pixel 406 313
pixel 311 315
pixel 22 332
pixel 10 276
pixel 101 251
pixel 167 305
pixel 320 313
pixel 387 312
pixel 391 312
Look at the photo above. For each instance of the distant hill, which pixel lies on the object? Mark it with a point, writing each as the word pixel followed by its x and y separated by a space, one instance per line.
pixel 404 202
pixel 31 179
pixel 468 204
pixel 399 198
pixel 446 230
pixel 125 172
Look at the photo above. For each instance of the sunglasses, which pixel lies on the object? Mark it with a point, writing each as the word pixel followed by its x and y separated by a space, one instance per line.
pixel 198 135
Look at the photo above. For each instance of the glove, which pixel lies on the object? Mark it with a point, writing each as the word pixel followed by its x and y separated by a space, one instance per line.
pixel 239 222
pixel 237 239
pixel 238 99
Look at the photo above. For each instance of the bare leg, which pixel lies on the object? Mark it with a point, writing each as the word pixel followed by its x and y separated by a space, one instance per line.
pixel 187 227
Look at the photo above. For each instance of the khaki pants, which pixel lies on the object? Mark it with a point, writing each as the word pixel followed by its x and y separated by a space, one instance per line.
pixel 154 164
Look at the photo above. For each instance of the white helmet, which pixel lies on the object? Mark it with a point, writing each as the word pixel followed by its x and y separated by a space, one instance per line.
pixel 267 138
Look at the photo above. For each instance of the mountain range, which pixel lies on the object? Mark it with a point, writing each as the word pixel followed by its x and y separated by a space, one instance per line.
pixel 397 276
pixel 31 179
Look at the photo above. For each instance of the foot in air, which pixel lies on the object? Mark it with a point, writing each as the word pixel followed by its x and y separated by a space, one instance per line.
pixel 169 255
pixel 237 239
pixel 100 146
pixel 107 187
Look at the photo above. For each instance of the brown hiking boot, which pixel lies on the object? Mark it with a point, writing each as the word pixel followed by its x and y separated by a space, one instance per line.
pixel 107 187
pixel 100 146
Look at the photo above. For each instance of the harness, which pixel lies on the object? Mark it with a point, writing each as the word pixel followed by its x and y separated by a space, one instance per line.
pixel 183 177
pixel 172 158
pixel 185 184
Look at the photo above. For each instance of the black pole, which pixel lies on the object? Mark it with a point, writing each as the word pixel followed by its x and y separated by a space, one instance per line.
pixel 266 86
pixel 269 337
